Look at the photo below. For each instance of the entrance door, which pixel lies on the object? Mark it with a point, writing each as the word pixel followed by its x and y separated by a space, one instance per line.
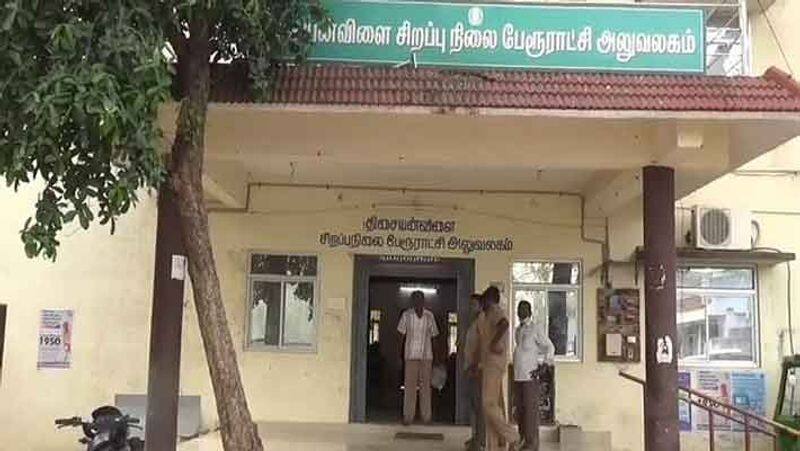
pixel 379 297
pixel 388 298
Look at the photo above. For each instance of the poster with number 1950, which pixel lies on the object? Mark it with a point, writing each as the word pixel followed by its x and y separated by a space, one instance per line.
pixel 55 339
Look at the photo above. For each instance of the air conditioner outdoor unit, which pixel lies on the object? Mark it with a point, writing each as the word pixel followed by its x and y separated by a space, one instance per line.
pixel 722 228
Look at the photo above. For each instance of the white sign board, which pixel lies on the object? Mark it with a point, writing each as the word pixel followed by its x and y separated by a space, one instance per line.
pixel 55 339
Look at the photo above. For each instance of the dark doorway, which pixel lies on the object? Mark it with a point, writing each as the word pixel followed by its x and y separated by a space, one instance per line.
pixel 375 394
pixel 388 298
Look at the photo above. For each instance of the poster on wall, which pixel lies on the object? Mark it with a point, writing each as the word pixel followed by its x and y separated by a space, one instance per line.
pixel 749 392
pixel 684 408
pixel 717 385
pixel 55 339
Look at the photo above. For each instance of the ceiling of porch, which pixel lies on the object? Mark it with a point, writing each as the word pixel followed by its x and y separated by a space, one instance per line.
pixel 516 131
pixel 597 156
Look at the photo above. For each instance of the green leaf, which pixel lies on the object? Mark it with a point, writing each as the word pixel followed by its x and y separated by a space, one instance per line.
pixel 31 249
pixel 15 57
pixel 83 219
pixel 84 81
pixel 8 22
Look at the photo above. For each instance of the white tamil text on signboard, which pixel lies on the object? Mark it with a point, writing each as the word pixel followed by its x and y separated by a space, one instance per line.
pixel 518 36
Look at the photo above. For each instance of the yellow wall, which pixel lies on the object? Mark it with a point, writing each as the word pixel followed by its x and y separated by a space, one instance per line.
pixel 107 282
pixel 112 301
pixel 291 220
pixel 773 198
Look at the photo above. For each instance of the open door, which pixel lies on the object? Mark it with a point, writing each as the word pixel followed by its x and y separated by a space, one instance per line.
pixel 379 298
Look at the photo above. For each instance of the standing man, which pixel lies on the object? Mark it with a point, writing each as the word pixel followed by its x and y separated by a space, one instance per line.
pixel 493 337
pixel 418 327
pixel 533 349
pixel 472 367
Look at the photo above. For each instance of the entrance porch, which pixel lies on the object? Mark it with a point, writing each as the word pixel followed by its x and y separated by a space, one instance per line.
pixel 550 163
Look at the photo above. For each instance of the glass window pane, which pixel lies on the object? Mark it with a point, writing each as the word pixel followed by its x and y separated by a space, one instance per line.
pixel 538 301
pixel 716 278
pixel 265 312
pixel 730 328
pixel 562 316
pixel 556 312
pixel 546 273
pixel 791 401
pixel 283 265
pixel 298 327
pixel 691 327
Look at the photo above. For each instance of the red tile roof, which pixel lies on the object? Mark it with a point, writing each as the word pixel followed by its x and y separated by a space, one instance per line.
pixel 445 88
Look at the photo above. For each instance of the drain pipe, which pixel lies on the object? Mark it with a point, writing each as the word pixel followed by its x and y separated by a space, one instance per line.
pixel 397 189
pixel 605 278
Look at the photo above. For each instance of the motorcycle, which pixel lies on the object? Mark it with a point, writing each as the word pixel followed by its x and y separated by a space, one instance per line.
pixel 108 430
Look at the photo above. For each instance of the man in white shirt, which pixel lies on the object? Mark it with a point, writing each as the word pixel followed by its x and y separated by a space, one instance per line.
pixel 532 349
pixel 418 328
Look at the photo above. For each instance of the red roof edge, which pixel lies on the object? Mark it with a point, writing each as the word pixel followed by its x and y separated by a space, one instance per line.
pixel 373 86
pixel 782 78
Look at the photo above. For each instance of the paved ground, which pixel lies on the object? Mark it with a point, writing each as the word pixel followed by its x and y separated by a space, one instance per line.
pixel 352 437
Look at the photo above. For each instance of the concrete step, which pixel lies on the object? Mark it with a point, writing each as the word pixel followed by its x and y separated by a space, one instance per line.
pixel 572 438
pixel 381 437
pixel 548 434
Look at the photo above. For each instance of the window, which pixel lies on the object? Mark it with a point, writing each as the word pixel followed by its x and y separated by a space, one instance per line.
pixel 282 293
pixel 554 291
pixel 791 394
pixel 717 315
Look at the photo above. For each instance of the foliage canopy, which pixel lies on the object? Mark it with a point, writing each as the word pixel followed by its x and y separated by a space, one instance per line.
pixel 81 83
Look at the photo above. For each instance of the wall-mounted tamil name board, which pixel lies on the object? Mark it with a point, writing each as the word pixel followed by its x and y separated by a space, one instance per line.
pixel 519 36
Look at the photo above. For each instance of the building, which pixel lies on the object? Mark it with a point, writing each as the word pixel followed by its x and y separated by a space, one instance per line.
pixel 359 182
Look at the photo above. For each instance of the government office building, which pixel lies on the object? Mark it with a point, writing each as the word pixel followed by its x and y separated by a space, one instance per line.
pixel 467 145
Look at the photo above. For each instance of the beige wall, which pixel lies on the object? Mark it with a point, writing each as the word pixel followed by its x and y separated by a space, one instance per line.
pixel 107 282
pixel 772 197
pixel 112 302
pixel 293 222
pixel 765 50
pixel 112 306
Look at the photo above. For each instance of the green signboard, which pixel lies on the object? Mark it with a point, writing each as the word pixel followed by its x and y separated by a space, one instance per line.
pixel 518 36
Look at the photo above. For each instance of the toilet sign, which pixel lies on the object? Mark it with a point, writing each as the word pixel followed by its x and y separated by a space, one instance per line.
pixel 664 350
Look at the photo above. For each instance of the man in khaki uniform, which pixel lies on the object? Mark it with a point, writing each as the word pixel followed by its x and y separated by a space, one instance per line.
pixel 472 357
pixel 493 329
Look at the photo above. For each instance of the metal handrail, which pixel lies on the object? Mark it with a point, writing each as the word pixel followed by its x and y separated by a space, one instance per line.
pixel 749 420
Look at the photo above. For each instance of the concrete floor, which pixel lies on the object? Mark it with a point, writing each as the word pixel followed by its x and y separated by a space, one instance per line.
pixel 345 437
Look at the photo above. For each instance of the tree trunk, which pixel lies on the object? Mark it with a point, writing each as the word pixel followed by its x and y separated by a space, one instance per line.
pixel 238 430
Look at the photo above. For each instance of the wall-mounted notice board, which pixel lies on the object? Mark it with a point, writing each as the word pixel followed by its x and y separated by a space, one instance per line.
pixel 618 337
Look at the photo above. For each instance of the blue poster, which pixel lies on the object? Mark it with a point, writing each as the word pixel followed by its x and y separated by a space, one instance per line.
pixel 749 393
pixel 684 409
